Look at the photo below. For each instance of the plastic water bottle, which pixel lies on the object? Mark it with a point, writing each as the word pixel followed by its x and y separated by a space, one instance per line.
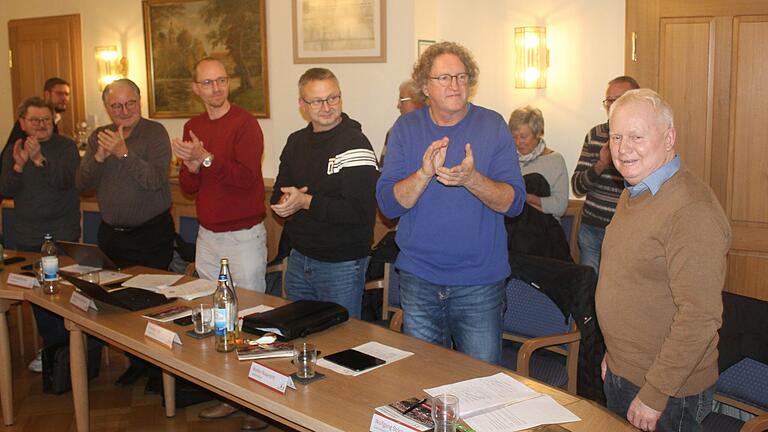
pixel 225 326
pixel 50 265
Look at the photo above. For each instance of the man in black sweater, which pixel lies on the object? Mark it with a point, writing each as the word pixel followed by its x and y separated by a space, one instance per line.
pixel 325 189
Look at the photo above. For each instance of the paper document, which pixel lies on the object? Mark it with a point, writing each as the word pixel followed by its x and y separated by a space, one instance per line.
pixel 152 282
pixel 190 290
pixel 109 276
pixel 78 269
pixel 252 310
pixel 384 352
pixel 486 393
pixel 523 415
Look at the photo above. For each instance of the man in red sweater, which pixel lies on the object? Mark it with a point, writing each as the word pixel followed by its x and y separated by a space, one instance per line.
pixel 662 271
pixel 221 153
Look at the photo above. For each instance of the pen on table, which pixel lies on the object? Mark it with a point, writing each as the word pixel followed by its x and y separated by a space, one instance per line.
pixel 414 406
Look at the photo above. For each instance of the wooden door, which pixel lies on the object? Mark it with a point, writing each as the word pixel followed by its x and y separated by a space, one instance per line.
pixel 41 48
pixel 708 59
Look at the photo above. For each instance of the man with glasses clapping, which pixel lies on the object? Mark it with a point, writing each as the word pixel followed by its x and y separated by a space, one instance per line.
pixel 325 190
pixel 451 174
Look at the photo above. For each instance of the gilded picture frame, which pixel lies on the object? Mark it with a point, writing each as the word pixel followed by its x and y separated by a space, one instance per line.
pixel 178 33
pixel 343 31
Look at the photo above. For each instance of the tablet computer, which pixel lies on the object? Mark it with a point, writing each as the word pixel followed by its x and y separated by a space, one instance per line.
pixel 354 360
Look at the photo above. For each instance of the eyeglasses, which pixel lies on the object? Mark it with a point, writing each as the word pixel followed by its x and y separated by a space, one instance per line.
pixel 446 79
pixel 403 100
pixel 221 81
pixel 608 101
pixel 129 105
pixel 332 100
pixel 39 120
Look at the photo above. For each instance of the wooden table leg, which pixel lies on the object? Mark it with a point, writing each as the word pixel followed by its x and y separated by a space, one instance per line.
pixel 6 371
pixel 79 372
pixel 169 390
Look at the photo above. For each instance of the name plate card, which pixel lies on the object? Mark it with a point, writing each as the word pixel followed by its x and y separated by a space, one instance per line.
pixel 270 377
pixel 162 335
pixel 82 302
pixel 21 280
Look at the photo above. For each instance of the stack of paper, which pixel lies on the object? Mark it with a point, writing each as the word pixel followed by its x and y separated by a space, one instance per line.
pixel 190 290
pixel 152 282
pixel 501 403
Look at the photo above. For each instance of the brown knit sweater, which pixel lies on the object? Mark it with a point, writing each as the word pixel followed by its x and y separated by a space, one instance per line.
pixel 658 298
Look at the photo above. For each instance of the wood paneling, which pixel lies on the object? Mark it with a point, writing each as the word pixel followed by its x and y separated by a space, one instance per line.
pixel 685 79
pixel 43 48
pixel 749 187
pixel 707 58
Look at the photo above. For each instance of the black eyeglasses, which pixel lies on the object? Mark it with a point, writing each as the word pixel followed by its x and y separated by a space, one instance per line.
pixel 39 120
pixel 608 101
pixel 332 100
pixel 446 79
pixel 221 81
pixel 128 105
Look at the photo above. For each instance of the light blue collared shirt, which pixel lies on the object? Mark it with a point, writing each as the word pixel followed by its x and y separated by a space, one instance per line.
pixel 656 179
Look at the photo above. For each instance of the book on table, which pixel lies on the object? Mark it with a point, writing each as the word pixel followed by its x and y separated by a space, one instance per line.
pixel 407 415
pixel 273 350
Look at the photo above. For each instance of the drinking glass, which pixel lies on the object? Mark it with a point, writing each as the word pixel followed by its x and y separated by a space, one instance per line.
pixel 202 317
pixel 445 412
pixel 305 358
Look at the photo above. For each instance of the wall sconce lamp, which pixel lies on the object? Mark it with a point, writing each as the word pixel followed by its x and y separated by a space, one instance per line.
pixel 110 64
pixel 531 57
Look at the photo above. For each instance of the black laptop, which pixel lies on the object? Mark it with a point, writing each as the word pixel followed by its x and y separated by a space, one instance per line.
pixel 87 254
pixel 133 299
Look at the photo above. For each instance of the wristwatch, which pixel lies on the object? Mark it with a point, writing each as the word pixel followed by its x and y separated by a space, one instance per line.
pixel 208 160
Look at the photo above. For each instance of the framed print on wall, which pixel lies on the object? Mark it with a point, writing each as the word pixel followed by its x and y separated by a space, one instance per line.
pixel 178 33
pixel 342 31
pixel 422 46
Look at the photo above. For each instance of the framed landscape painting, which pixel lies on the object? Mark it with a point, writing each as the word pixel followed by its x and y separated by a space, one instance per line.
pixel 178 33
pixel 339 31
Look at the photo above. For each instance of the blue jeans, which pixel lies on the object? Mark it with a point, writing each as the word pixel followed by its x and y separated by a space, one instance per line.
pixel 683 414
pixel 590 244
pixel 470 315
pixel 338 282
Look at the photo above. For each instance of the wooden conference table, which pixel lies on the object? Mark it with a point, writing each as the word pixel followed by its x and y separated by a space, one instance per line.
pixel 336 403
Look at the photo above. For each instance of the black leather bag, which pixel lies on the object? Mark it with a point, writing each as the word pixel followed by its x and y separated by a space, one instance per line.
pixel 56 376
pixel 297 319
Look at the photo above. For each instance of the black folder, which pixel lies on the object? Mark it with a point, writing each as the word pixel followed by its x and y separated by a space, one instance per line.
pixel 297 319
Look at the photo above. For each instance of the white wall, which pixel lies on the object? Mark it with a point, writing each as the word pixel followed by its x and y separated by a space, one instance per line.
pixel 585 39
pixel 586 44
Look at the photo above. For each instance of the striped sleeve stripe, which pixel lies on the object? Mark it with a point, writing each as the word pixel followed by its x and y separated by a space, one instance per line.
pixel 352 158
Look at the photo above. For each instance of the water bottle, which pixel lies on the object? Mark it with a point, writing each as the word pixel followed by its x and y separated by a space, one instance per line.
pixel 50 265
pixel 225 310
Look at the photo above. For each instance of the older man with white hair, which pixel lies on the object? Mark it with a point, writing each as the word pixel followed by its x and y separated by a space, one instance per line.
pixel 662 272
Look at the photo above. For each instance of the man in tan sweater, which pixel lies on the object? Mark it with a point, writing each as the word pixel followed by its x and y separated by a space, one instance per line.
pixel 663 267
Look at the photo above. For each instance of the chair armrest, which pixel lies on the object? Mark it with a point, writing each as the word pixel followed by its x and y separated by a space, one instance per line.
pixel 396 322
pixel 374 284
pixel 531 345
pixel 190 269
pixel 283 268
pixel 757 424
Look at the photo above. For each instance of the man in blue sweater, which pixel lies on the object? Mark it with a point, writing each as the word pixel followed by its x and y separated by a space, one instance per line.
pixel 451 174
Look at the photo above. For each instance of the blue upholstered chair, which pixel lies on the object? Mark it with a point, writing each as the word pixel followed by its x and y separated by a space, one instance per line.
pixel 744 386
pixel 532 322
